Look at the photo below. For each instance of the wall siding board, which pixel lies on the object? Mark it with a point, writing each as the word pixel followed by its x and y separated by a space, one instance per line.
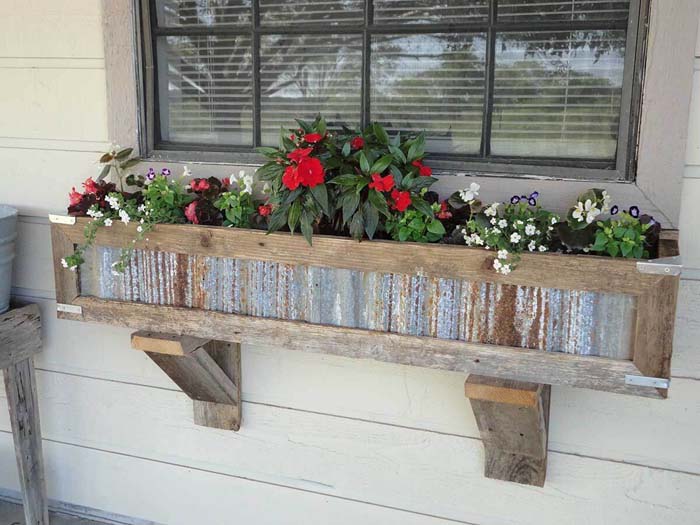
pixel 423 472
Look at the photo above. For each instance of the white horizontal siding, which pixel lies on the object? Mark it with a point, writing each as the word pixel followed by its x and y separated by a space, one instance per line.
pixel 324 439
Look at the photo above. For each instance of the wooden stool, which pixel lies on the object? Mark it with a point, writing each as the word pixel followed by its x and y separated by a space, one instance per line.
pixel 20 339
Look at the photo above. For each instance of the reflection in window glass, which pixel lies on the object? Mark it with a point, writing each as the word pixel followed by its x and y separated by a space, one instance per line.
pixel 332 12
pixel 189 13
pixel 431 82
pixel 205 89
pixel 558 94
pixel 562 10
pixel 429 11
pixel 304 75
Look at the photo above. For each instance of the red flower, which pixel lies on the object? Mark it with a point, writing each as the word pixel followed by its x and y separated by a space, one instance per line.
pixel 313 138
pixel 402 200
pixel 226 182
pixel 199 185
pixel 424 170
pixel 291 178
pixel 311 172
pixel 380 183
pixel 298 154
pixel 264 210
pixel 90 186
pixel 191 212
pixel 444 212
pixel 292 137
pixel 357 143
pixel 75 197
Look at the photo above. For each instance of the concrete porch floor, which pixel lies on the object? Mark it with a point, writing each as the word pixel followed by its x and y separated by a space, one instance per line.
pixel 12 514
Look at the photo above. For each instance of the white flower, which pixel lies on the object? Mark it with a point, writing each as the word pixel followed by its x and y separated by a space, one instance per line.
pixel 141 208
pixel 492 210
pixel 108 222
pixel 515 238
pixel 247 184
pixel 537 232
pixel 532 246
pixel 112 201
pixel 555 219
pixel 476 239
pixel 497 264
pixel 496 231
pixel 493 221
pixel 542 248
pixel 73 268
pixel 470 193
pixel 124 216
pixel 530 229
pixel 502 254
pixel 606 202
pixel 139 229
pixel 519 222
pixel 64 263
pixel 585 211
pixel 186 172
pixel 503 223
pixel 505 269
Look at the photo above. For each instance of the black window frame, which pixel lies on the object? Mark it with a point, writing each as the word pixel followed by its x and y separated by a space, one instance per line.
pixel 621 169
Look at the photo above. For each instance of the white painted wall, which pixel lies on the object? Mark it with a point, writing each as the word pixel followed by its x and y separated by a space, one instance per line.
pixel 325 440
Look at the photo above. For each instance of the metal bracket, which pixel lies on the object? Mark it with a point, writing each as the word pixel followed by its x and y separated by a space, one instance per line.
pixel 69 308
pixel 663 266
pixel 651 382
pixel 61 219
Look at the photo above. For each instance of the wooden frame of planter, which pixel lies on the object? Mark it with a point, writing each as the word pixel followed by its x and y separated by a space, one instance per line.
pixel 652 284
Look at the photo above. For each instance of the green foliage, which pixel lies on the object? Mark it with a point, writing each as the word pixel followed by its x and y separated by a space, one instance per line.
pixel 416 226
pixel 117 161
pixel 621 237
pixel 165 200
pixel 237 207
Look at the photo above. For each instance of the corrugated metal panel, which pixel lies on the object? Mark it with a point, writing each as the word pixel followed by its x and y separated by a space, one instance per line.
pixel 583 323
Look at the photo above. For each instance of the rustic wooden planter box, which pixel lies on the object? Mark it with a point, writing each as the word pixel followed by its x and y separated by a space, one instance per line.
pixel 584 321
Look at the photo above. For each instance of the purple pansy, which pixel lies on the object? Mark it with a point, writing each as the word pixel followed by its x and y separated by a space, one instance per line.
pixel 614 210
pixel 514 199
pixel 151 174
pixel 634 212
pixel 165 172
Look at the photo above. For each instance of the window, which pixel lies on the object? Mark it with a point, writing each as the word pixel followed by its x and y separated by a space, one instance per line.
pixel 517 86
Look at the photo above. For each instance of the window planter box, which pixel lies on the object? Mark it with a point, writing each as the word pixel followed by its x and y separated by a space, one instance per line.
pixel 584 321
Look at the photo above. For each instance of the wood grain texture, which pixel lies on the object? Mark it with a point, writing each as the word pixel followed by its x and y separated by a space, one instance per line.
pixel 168 344
pixel 23 404
pixel 226 416
pixel 514 434
pixel 20 334
pixel 496 361
pixel 566 272
pixel 67 283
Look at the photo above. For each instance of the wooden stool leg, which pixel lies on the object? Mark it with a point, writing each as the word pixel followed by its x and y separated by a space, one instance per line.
pixel 513 419
pixel 22 399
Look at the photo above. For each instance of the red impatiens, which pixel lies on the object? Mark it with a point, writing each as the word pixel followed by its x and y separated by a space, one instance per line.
pixel 357 143
pixel 402 200
pixel 91 186
pixel 444 212
pixel 305 171
pixel 313 138
pixel 380 183
pixel 423 170
pixel 191 212
pixel 264 210
pixel 199 185
pixel 75 197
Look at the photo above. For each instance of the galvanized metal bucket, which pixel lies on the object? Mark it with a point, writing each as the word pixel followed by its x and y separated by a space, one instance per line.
pixel 8 234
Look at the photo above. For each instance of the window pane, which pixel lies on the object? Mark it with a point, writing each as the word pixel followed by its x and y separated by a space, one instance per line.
pixel 284 12
pixel 426 11
pixel 304 75
pixel 188 13
pixel 433 82
pixel 558 94
pixel 205 89
pixel 563 10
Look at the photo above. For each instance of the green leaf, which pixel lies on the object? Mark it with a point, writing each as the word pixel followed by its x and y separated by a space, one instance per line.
pixel 307 229
pixel 404 233
pixel 107 157
pixel 613 249
pixel 436 227
pixel 321 126
pixel 350 204
pixel 422 206
pixel 381 134
pixel 346 149
pixel 277 219
pixel 105 171
pixel 419 183
pixel 294 214
pixel 345 180
pixel 371 219
pixel 272 153
pixel 378 200
pixel 321 195
pixel 291 197
pixel 130 163
pixel 364 163
pixel 381 164
pixel 357 228
pixel 398 176
pixel 396 152
pixel 304 125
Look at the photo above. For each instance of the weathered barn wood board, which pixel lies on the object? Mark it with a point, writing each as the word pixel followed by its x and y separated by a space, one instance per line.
pixel 584 323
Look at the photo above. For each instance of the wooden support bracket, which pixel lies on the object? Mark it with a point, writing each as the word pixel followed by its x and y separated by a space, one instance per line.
pixel 513 419
pixel 207 371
